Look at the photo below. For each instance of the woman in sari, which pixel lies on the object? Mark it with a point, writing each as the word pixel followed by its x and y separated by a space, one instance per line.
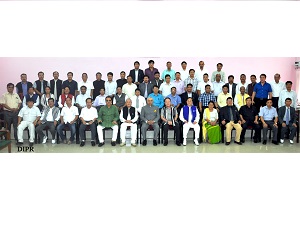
pixel 210 125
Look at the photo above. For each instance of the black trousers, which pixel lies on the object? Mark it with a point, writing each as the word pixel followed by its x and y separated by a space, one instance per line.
pixel 260 102
pixel 11 118
pixel 176 130
pixel 82 131
pixel 256 128
pixel 275 102
pixel 41 127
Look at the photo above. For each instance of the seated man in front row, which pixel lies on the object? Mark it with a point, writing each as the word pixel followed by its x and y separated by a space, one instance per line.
pixel 108 117
pixel 150 116
pixel 28 117
pixel 88 116
pixel 287 119
pixel 128 117
pixel 269 118
pixel 68 117
pixel 50 117
pixel 230 118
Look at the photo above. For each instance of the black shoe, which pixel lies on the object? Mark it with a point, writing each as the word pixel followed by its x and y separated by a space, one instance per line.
pixel 154 142
pixel 242 140
pixel 100 144
pixel 227 143
pixel 178 144
pixel 165 143
pixel 82 143
pixel 275 142
pixel 264 142
pixel 30 144
pixel 255 140
pixel 144 142
pixel 113 143
pixel 93 143
pixel 19 143
pixel 239 143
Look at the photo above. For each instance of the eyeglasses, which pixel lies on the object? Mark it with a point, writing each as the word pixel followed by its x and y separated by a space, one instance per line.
pixel 108 100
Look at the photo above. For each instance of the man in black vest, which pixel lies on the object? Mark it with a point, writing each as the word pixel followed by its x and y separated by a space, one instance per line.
pixel 98 84
pixel 33 96
pixel 189 94
pixel 146 87
pixel 120 99
pixel 128 118
pixel 123 80
pixel 137 74
pixel 23 86
pixel 40 84
pixel 55 85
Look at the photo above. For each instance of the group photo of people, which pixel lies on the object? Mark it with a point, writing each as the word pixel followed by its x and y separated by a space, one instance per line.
pixel 208 104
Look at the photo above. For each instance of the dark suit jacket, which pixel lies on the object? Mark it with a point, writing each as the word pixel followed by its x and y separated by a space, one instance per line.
pixel 140 75
pixel 233 89
pixel 142 87
pixel 154 82
pixel 281 113
pixel 184 97
pixel 58 87
pixel 225 115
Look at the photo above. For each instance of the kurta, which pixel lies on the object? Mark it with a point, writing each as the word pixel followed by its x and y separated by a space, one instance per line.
pixel 108 115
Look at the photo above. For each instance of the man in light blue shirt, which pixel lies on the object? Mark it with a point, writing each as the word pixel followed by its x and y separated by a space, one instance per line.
pixel 175 99
pixel 168 71
pixel 269 118
pixel 158 99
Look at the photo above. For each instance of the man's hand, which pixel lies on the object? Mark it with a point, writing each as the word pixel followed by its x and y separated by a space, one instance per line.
pixel 72 122
pixel 170 122
pixel 99 121
pixel 243 121
pixel 55 123
pixel 128 121
pixel 195 122
pixel 34 123
pixel 239 122
pixel 275 125
pixel 265 125
pixel 213 123
pixel 294 125
pixel 283 124
pixel 200 109
pixel 255 121
pixel 223 122
pixel 114 122
pixel 39 122
pixel 84 123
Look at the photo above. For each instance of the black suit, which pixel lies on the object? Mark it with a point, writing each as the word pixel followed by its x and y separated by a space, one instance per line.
pixel 225 115
pixel 140 75
pixel 184 97
pixel 155 82
pixel 233 89
pixel 142 87
pixel 281 113
pixel 58 87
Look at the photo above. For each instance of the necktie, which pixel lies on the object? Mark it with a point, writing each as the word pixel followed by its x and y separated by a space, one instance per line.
pixel 287 116
pixel 137 102
pixel 230 113
pixel 146 91
pixel 55 91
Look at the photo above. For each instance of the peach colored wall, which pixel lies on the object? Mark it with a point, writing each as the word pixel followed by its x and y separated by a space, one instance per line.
pixel 11 68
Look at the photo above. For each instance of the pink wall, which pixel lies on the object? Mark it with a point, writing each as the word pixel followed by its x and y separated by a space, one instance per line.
pixel 11 68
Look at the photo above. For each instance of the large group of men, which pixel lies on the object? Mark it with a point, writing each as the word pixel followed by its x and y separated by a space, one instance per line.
pixel 151 100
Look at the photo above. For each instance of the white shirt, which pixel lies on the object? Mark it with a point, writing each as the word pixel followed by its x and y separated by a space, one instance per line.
pixel 35 104
pixel 136 116
pixel 184 74
pixel 89 86
pixel 238 87
pixel 136 76
pixel 80 99
pixel 65 104
pixel 129 89
pixel 100 100
pixel 230 88
pixel 199 73
pixel 110 87
pixel 190 115
pixel 165 89
pixel 29 114
pixel 201 86
pixel 69 113
pixel 142 102
pixel 277 88
pixel 49 117
pixel 88 114
pixel 217 87
pixel 287 94
pixel 213 115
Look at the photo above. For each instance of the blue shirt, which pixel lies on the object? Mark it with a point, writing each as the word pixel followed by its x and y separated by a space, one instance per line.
pixel 206 98
pixel 158 100
pixel 175 100
pixel 262 91
pixel 24 88
pixel 72 85
pixel 268 114
pixel 171 73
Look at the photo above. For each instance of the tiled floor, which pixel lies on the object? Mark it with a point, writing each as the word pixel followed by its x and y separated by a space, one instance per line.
pixel 247 147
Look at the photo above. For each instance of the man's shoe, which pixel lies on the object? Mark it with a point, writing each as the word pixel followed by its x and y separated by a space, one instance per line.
pixel 281 141
pixel 239 143
pixel 275 142
pixel 291 142
pixel 30 144
pixel 69 142
pixel 242 140
pixel 82 143
pixel 133 144
pixel 93 143
pixel 264 142
pixel 255 140
pixel 144 142
pixel 100 144
pixel 196 142
pixel 122 144
pixel 65 141
pixel 19 143
pixel 113 143
pixel 53 141
pixel 227 143
pixel 154 142
pixel 178 144
pixel 165 143
pixel 45 139
pixel 184 142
